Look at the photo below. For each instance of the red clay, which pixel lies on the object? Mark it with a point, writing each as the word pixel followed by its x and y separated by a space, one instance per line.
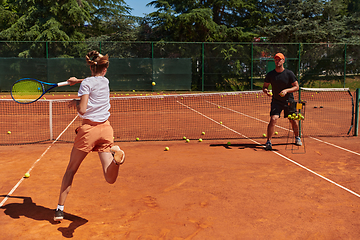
pixel 196 190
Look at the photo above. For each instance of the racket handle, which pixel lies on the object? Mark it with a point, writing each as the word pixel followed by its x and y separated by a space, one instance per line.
pixel 60 84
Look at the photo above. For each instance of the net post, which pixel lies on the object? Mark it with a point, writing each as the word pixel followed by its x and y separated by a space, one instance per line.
pixel 50 120
pixel 345 65
pixel 357 99
pixel 202 66
pixel 252 66
pixel 299 112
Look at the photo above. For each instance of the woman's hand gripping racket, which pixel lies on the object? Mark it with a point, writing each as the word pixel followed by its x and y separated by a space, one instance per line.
pixel 29 90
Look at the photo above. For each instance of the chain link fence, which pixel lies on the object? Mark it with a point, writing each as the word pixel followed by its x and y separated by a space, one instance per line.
pixel 182 66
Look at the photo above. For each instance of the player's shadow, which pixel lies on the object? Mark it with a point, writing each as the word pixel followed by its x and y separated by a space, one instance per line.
pixel 254 146
pixel 29 209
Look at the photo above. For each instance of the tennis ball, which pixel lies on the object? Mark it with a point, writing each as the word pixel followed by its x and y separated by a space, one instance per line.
pixel 200 140
pixel 184 137
pixel 203 133
pixel 270 93
pixel 167 148
pixel 9 132
pixel 220 122
pixel 264 135
pixel 133 90
pixel 218 106
pixel 228 143
pixel 137 139
pixel 153 83
pixel 276 133
pixel 187 140
pixel 26 175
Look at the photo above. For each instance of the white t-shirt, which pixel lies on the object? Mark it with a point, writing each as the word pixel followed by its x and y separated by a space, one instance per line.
pixel 98 106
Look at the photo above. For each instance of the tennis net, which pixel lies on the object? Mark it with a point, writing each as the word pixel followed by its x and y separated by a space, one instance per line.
pixel 227 115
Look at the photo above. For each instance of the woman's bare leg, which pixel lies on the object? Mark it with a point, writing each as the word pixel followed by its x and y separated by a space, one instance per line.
pixel 76 159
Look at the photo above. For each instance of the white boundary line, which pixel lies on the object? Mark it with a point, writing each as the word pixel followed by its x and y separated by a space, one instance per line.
pixel 286 158
pixel 31 168
pixel 347 150
pixel 319 140
pixel 257 119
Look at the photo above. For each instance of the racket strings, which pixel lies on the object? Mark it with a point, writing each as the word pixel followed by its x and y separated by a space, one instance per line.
pixel 27 90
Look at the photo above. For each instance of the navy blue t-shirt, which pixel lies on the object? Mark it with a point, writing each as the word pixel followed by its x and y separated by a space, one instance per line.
pixel 279 82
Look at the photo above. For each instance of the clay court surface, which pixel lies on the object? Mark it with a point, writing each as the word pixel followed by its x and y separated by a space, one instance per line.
pixel 196 190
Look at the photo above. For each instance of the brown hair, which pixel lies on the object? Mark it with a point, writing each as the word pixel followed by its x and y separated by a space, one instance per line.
pixel 97 62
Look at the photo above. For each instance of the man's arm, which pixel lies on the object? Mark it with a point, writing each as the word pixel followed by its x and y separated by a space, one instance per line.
pixel 294 88
pixel 265 88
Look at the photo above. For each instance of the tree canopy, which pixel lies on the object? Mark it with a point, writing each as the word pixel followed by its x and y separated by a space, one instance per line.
pixel 181 20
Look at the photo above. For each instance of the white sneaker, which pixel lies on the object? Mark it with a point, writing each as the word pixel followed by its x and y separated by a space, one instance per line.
pixel 118 154
pixel 298 141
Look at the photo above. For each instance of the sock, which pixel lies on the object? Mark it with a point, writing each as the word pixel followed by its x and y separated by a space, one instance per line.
pixel 60 207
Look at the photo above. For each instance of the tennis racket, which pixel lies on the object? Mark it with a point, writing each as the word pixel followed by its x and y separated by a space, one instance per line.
pixel 29 90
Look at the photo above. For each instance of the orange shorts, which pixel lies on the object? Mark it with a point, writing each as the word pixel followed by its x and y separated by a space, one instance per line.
pixel 93 136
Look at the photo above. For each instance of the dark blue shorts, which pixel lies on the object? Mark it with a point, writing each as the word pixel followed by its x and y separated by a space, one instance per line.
pixel 277 107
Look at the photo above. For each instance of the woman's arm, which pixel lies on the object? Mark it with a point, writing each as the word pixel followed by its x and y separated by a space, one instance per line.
pixel 81 104
pixel 74 80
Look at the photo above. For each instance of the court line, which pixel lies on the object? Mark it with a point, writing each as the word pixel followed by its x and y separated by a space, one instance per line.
pixel 331 144
pixel 257 119
pixel 31 168
pixel 279 154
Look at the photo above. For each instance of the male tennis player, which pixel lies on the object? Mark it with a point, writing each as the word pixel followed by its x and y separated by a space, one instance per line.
pixel 95 133
pixel 284 83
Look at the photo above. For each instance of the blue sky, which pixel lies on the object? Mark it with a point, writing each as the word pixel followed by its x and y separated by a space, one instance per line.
pixel 139 7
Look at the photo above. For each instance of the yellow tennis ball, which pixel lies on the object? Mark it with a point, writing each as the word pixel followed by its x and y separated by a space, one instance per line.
pixel 187 140
pixel 203 133
pixel 184 137
pixel 167 148
pixel 137 139
pixel 220 122
pixel 200 140
pixel 26 175
pixel 9 132
pixel 153 83
pixel 276 133
pixel 264 135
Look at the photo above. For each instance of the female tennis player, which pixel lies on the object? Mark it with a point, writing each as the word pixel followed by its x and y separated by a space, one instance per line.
pixel 95 133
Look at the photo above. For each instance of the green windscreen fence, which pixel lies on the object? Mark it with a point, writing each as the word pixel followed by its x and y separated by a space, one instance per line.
pixel 124 73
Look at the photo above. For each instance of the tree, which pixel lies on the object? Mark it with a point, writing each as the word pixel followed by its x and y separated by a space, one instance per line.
pixel 199 20
pixel 352 31
pixel 60 20
pixel 47 20
pixel 304 21
pixel 7 17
